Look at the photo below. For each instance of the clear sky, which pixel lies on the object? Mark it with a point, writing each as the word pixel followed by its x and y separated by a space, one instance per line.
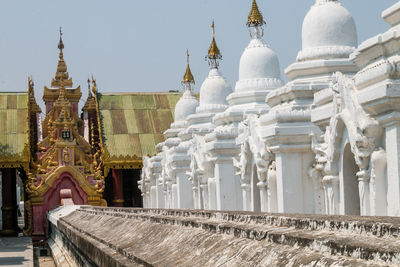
pixel 132 45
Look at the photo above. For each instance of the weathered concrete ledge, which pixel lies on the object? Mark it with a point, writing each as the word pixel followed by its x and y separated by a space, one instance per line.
pixel 151 237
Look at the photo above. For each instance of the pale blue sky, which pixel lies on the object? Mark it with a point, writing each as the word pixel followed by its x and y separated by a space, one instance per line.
pixel 132 45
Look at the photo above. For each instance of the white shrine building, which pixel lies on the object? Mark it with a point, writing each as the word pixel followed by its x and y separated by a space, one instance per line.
pixel 327 142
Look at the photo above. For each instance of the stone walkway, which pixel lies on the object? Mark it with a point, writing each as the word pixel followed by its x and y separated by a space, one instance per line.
pixel 16 251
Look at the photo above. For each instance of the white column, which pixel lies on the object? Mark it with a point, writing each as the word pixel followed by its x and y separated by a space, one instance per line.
pixel 289 169
pixel 153 196
pixel 174 196
pixel 184 191
pixel 262 187
pixel 364 192
pixel 212 194
pixel 332 198
pixel 168 196
pixel 246 195
pixel 227 185
pixel 378 183
pixel 272 196
pixel 204 195
pixel 392 140
pixel 195 192
pixel 160 197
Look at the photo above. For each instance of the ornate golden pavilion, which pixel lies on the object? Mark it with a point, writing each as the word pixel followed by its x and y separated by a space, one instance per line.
pixel 94 156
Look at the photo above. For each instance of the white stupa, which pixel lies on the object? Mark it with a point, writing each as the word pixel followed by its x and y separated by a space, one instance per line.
pixel 329 36
pixel 213 91
pixel 259 70
pixel 188 103
pixel 185 106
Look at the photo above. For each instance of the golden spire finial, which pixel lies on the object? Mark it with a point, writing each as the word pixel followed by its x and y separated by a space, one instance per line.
pixel 61 73
pixel 89 91
pixel 31 93
pixel 60 43
pixel 94 87
pixel 213 52
pixel 255 17
pixel 30 86
pixel 188 77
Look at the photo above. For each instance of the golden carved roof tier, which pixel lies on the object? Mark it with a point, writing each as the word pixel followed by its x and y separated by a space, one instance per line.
pixel 61 75
pixel 213 51
pixel 90 104
pixel 34 107
pixel 188 77
pixel 255 17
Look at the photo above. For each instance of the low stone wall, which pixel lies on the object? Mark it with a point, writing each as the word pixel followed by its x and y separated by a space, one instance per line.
pixel 150 237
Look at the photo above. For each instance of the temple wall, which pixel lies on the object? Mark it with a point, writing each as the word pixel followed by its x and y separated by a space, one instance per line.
pixel 157 237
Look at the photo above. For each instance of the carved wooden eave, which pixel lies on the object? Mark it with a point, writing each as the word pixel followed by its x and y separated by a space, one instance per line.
pixel 32 104
pixel 120 162
pixel 90 105
pixel 16 160
pixel 37 193
pixel 72 94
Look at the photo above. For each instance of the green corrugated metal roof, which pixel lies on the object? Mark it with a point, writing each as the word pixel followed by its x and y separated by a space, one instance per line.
pixel 133 123
pixel 13 123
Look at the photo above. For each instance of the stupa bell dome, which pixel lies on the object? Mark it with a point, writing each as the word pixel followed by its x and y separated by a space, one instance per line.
pixel 258 61
pixel 329 31
pixel 259 65
pixel 214 89
pixel 186 106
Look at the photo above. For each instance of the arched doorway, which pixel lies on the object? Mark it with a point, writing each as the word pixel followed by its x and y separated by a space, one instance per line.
pixel 351 196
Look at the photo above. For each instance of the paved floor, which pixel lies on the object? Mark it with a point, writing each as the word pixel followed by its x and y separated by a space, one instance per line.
pixel 16 251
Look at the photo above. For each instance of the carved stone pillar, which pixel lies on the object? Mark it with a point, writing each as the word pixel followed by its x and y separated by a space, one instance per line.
pixel 272 192
pixel 184 187
pixel 227 185
pixel 174 196
pixel 392 140
pixel 246 194
pixel 160 196
pixel 262 187
pixel 289 181
pixel 272 195
pixel 169 195
pixel 363 189
pixel 204 192
pixel 165 192
pixel 378 183
pixel 212 194
pixel 195 192
pixel 331 188
pixel 9 208
pixel 118 199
